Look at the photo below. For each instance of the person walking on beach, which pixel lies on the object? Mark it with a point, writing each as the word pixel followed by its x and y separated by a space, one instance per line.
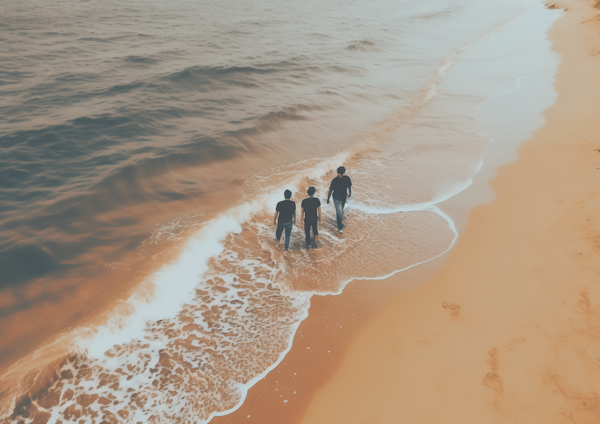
pixel 310 215
pixel 341 187
pixel 286 212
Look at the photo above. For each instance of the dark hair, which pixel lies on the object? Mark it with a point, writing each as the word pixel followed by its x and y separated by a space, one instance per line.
pixel 287 194
pixel 311 191
pixel 341 170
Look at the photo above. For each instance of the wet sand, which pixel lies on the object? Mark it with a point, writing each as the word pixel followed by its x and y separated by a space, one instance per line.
pixel 508 331
pixel 320 345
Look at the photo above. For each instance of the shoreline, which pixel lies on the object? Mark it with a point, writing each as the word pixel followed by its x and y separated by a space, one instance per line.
pixel 368 306
pixel 320 344
pixel 507 331
pixel 363 302
pixel 452 342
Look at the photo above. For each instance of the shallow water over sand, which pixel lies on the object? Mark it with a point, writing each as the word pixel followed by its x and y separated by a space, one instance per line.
pixel 144 151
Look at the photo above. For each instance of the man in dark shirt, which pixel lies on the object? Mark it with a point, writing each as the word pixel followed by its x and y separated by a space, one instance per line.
pixel 341 187
pixel 310 215
pixel 286 211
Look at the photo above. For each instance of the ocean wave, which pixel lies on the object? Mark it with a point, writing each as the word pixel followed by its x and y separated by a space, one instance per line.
pixel 140 60
pixel 79 77
pixel 113 38
pixel 14 77
pixel 125 181
pixel 252 76
pixel 362 45
pixel 66 176
pixel 275 120
pixel 126 87
pixel 71 190
pixel 138 132
pixel 229 318
pixel 203 71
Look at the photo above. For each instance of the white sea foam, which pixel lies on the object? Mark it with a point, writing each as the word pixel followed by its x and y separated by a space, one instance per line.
pixel 174 283
pixel 225 312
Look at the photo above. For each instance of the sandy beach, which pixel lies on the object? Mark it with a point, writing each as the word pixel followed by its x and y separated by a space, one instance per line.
pixel 507 331
pixel 188 311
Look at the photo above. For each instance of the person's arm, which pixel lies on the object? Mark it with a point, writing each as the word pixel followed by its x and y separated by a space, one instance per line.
pixel 302 215
pixel 275 217
pixel 330 190
pixel 319 217
pixel 349 183
pixel 294 216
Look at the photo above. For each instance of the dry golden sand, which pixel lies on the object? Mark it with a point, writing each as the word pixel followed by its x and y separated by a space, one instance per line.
pixel 509 330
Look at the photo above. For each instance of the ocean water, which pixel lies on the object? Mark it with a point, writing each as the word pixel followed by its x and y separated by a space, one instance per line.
pixel 144 146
